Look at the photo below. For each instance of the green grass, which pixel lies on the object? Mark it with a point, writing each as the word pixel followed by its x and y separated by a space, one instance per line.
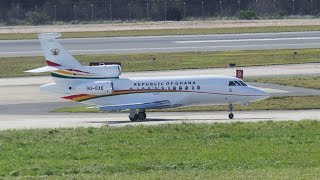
pixel 162 32
pixel 13 66
pixel 264 150
pixel 302 81
pixel 273 103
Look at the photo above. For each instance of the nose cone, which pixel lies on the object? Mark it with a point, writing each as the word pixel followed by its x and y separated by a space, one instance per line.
pixel 259 94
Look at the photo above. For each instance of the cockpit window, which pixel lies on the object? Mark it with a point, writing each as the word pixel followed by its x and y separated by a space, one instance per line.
pixel 237 83
pixel 243 84
pixel 231 83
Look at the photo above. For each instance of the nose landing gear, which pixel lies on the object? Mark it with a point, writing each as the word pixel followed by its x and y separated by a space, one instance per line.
pixel 230 109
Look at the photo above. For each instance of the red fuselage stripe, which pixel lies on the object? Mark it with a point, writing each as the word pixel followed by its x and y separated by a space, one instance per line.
pixel 50 63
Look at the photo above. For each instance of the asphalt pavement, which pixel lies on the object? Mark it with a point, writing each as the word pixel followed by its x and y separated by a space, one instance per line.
pixel 23 106
pixel 183 43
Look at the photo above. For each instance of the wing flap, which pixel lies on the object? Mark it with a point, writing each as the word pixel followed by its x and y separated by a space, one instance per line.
pixel 151 105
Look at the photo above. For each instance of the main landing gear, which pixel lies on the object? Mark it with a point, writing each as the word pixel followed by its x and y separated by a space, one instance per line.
pixel 230 109
pixel 134 116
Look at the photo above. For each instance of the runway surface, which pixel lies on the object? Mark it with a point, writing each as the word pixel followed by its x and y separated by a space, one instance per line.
pixel 23 106
pixel 120 119
pixel 121 45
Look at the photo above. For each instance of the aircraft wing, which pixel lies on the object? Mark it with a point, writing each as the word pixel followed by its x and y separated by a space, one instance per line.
pixel 151 105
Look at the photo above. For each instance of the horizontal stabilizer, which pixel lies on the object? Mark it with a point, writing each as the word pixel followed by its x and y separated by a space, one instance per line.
pixel 42 69
pixel 152 105
pixel 49 35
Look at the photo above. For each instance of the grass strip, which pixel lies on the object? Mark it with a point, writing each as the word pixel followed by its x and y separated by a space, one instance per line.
pixel 301 81
pixel 273 103
pixel 15 66
pixel 162 32
pixel 275 150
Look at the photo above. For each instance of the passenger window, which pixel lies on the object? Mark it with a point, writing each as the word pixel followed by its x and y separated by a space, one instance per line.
pixel 162 88
pixel 186 88
pixel 237 83
pixel 192 87
pixel 180 88
pixel 243 84
pixel 174 88
pixel 231 83
pixel 198 87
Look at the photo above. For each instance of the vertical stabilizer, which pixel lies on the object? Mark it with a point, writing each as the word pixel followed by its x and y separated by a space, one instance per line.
pixel 55 54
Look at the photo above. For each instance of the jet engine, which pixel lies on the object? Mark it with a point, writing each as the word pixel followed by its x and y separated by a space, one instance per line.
pixel 95 88
pixel 110 71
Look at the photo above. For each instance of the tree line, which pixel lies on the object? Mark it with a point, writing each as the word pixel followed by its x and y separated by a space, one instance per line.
pixel 18 11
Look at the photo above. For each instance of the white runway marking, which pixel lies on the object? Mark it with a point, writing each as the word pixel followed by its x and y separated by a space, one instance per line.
pixel 138 50
pixel 248 40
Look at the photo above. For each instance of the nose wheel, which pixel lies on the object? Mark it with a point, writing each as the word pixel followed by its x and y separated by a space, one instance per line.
pixel 230 109
pixel 231 116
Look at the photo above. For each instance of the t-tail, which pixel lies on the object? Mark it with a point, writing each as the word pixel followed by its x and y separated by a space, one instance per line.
pixel 65 69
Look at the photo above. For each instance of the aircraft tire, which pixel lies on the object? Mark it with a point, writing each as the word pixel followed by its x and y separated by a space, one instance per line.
pixel 134 118
pixel 142 116
pixel 231 116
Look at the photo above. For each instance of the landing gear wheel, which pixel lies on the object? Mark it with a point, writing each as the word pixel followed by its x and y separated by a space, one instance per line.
pixel 230 109
pixel 142 116
pixel 134 118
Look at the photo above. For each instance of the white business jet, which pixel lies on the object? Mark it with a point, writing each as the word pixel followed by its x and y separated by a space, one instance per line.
pixel 103 87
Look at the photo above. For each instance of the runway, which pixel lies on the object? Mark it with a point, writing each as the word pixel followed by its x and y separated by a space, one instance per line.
pixel 185 43
pixel 23 106
pixel 120 119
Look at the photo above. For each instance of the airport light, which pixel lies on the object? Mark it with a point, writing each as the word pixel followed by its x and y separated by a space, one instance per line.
pixel 55 12
pixel 17 11
pixel 74 12
pixel 106 9
pixel 202 8
pixel 110 11
pixel 239 4
pixel 129 6
pixel 221 7
pixel 184 10
pixel 147 11
pixel 293 8
pixel 165 11
pixel 91 11
pixel 35 7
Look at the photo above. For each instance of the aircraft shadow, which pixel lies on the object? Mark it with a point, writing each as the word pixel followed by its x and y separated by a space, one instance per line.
pixel 150 120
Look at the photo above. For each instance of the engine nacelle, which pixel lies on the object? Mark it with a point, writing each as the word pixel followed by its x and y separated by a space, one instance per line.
pixel 96 88
pixel 110 71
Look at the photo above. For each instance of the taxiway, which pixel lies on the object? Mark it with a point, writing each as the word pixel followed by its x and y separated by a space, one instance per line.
pixel 23 106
